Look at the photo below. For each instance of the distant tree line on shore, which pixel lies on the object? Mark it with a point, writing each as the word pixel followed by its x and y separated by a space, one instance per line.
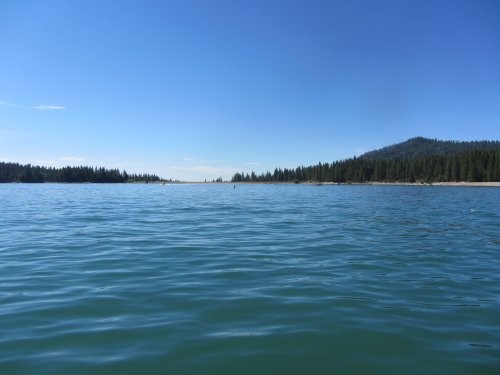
pixel 14 172
pixel 472 166
pixel 419 147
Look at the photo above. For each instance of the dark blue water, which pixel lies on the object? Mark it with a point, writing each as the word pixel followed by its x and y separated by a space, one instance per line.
pixel 117 279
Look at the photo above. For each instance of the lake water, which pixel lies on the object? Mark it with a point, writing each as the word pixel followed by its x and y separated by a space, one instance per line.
pixel 261 279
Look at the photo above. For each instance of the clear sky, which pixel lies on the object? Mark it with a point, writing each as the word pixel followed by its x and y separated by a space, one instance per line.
pixel 202 89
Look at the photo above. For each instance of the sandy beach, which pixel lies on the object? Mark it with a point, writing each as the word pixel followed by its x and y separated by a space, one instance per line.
pixel 462 183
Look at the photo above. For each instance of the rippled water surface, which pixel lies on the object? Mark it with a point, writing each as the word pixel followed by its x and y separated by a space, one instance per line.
pixel 261 279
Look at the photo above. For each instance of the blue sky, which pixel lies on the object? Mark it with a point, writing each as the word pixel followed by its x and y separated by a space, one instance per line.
pixel 202 89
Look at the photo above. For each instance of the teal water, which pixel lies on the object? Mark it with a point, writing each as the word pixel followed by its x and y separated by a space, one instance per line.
pixel 261 279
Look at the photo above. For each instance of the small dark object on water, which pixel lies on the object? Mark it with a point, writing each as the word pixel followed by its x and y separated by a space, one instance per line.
pixel 234 186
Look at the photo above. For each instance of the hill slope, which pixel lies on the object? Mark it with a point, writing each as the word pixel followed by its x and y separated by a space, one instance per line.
pixel 416 160
pixel 422 147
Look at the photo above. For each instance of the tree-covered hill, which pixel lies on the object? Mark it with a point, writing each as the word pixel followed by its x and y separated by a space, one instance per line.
pixel 421 147
pixel 14 172
pixel 480 164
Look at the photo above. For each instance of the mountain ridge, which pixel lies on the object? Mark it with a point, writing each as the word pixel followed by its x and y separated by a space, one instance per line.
pixel 418 147
pixel 415 160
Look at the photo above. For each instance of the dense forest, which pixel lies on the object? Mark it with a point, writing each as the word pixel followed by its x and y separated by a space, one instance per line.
pixel 474 166
pixel 14 172
pixel 419 147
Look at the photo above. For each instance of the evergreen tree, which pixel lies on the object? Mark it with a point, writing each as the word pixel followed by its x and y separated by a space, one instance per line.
pixel 14 172
pixel 473 165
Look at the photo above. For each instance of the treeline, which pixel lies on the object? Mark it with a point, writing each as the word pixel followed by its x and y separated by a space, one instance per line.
pixel 472 166
pixel 14 172
pixel 421 147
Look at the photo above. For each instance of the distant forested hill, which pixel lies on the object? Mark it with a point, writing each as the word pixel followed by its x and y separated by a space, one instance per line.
pixel 416 160
pixel 421 147
pixel 14 172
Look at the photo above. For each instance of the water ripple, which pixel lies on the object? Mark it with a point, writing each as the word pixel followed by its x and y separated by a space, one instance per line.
pixel 258 279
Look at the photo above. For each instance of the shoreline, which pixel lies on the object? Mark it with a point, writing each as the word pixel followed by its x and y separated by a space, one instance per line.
pixel 442 183
pixel 461 184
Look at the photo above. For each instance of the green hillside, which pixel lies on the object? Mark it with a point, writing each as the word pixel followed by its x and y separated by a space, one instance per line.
pixel 422 147
pixel 416 160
